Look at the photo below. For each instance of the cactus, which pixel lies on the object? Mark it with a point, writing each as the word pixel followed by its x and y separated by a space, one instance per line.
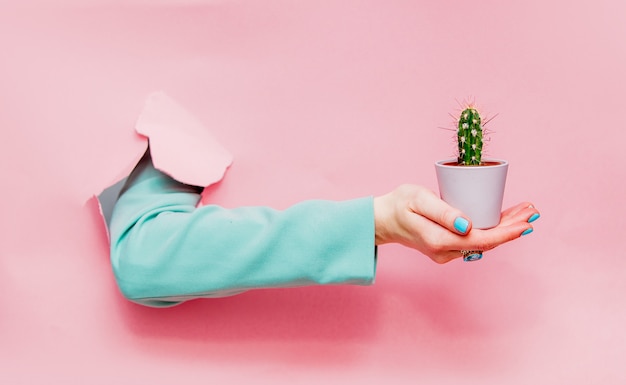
pixel 470 137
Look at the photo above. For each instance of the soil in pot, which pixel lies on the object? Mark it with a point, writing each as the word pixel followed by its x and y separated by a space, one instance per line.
pixel 480 165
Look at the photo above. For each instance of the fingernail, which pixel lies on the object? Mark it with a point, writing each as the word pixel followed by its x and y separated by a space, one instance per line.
pixel 527 231
pixel 461 224
pixel 533 217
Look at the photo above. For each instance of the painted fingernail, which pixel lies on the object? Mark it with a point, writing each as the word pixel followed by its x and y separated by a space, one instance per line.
pixel 527 231
pixel 533 217
pixel 461 224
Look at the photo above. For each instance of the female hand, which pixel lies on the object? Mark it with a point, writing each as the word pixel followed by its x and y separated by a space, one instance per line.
pixel 415 217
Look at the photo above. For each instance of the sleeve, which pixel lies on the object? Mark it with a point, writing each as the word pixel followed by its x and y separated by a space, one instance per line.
pixel 165 250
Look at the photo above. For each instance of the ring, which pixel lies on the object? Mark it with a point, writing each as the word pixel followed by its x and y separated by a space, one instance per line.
pixel 471 255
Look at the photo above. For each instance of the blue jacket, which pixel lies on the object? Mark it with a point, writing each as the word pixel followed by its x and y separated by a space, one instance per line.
pixel 165 249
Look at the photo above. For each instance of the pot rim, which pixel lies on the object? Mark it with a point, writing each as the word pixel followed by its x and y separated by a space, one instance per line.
pixel 501 163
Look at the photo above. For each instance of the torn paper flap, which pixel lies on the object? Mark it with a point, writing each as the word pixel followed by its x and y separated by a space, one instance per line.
pixel 180 145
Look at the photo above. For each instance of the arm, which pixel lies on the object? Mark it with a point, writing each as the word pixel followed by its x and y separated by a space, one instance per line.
pixel 165 250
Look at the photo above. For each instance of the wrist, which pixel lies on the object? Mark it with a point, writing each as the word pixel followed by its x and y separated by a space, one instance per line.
pixel 380 221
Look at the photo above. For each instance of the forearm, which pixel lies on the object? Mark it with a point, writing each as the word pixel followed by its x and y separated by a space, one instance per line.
pixel 163 248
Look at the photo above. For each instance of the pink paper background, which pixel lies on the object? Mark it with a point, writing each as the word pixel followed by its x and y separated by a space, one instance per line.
pixel 318 99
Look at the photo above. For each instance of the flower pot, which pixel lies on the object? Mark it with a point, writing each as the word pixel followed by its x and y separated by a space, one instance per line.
pixel 476 190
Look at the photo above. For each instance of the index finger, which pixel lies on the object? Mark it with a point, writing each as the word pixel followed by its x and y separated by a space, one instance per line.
pixel 491 238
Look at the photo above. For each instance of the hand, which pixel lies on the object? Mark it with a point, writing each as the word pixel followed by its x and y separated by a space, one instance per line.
pixel 415 217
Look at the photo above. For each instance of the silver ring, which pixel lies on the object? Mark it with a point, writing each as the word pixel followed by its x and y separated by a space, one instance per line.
pixel 471 255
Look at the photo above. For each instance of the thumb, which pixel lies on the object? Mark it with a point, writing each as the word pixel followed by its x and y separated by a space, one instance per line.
pixel 427 204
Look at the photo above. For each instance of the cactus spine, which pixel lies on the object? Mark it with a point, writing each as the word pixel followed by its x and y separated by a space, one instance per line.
pixel 470 137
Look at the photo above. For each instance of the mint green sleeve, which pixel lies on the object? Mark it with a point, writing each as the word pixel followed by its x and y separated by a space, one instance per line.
pixel 165 250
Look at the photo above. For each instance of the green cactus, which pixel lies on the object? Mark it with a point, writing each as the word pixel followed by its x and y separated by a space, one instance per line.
pixel 470 137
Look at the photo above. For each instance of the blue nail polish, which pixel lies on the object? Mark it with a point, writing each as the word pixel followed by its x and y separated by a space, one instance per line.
pixel 533 218
pixel 473 257
pixel 461 224
pixel 527 231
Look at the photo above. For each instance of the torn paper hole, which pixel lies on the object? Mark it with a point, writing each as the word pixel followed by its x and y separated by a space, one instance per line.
pixel 180 146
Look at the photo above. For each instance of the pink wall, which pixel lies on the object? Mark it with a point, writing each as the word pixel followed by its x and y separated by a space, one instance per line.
pixel 319 99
